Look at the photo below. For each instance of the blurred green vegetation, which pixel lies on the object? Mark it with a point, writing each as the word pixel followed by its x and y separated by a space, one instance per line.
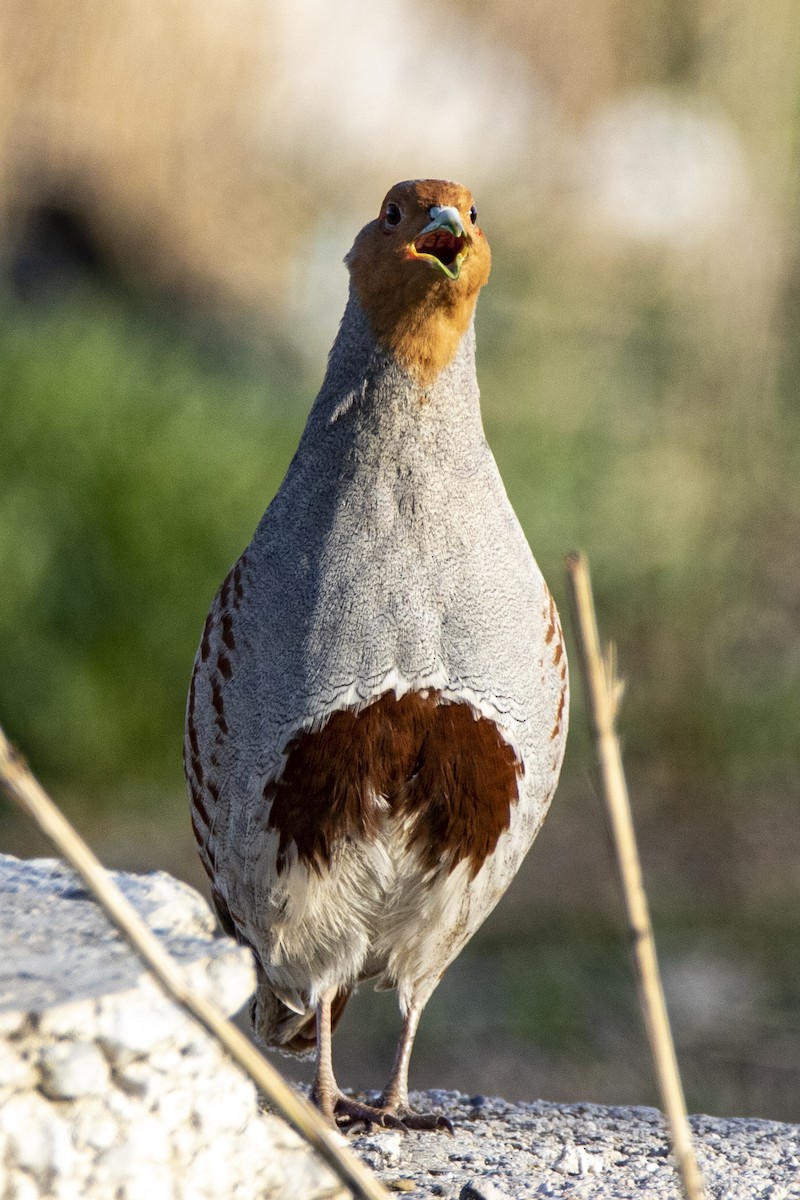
pixel 135 460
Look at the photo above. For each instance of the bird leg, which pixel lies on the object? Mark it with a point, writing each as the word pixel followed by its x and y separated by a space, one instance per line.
pixel 337 1108
pixel 395 1097
pixel 325 1092
pixel 395 1094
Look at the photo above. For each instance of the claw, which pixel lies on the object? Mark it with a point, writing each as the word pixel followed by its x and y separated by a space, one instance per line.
pixel 392 1121
pixel 354 1117
pixel 428 1121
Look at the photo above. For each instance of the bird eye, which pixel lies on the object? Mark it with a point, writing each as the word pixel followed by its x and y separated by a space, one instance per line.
pixel 392 215
pixel 473 214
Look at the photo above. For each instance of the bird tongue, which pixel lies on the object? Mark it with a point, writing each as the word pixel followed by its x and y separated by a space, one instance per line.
pixel 440 244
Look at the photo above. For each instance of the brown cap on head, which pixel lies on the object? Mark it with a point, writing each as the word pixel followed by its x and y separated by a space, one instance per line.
pixel 417 271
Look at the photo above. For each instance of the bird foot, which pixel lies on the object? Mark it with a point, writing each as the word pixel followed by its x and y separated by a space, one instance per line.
pixel 354 1117
pixel 430 1121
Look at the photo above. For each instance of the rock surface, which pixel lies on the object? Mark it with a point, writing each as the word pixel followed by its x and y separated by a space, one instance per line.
pixel 504 1151
pixel 109 1092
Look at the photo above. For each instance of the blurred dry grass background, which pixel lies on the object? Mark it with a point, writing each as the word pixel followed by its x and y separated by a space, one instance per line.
pixel 178 185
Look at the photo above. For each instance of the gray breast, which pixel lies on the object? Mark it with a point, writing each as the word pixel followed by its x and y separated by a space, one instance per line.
pixel 391 548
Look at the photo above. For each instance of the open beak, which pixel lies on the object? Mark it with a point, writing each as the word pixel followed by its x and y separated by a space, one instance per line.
pixel 443 242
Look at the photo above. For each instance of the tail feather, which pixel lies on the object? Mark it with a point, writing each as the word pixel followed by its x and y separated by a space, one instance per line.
pixel 279 1025
pixel 281 1028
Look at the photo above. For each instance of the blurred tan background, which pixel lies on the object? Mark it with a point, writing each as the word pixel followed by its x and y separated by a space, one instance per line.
pixel 178 185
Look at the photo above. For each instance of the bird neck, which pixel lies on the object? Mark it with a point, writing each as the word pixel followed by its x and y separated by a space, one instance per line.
pixel 376 430
pixel 365 375
pixel 421 320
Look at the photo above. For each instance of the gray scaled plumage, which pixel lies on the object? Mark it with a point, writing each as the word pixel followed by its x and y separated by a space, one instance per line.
pixel 378 708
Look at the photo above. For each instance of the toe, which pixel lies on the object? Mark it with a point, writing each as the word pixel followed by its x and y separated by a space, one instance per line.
pixel 426 1121
pixel 353 1116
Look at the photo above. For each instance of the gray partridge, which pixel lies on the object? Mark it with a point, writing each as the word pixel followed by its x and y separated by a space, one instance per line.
pixel 378 709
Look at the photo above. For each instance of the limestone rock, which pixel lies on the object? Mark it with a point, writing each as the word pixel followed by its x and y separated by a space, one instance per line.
pixel 108 1090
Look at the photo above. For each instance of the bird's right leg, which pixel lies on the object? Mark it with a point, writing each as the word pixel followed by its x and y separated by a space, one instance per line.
pixel 332 1103
pixel 325 1092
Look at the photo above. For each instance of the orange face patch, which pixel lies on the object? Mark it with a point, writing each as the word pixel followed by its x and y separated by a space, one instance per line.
pixel 418 285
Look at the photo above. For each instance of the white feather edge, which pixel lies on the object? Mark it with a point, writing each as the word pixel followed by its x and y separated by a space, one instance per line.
pixel 359 695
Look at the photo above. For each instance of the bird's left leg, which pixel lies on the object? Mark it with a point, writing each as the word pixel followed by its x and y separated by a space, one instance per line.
pixel 395 1097
pixel 332 1103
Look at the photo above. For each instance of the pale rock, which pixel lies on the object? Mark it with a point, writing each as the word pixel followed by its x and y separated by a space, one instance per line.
pixel 74 1019
pixel 482 1189
pixel 590 1162
pixel 70 1070
pixel 209 1172
pixel 174 1107
pixel 229 980
pixel 138 1080
pixel 172 1061
pixel 385 1146
pixel 37 1139
pixel 305 1174
pixel 12 1021
pixel 92 1125
pixel 137 1027
pixel 260 1141
pixel 125 1162
pixel 149 1184
pixel 184 1141
pixel 123 1107
pixel 576 1160
pixel 148 1139
pixel 68 1188
pixel 139 1168
pixel 20 1186
pixel 17 1072
pixel 117 1164
pixel 228 1108
pixel 170 907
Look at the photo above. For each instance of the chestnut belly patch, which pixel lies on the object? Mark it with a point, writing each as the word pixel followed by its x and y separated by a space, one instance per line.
pixel 440 766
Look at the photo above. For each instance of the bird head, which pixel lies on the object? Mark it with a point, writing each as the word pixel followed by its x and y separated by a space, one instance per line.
pixel 417 270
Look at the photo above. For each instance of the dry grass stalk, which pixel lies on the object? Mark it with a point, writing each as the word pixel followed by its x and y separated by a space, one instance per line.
pixel 603 694
pixel 24 790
